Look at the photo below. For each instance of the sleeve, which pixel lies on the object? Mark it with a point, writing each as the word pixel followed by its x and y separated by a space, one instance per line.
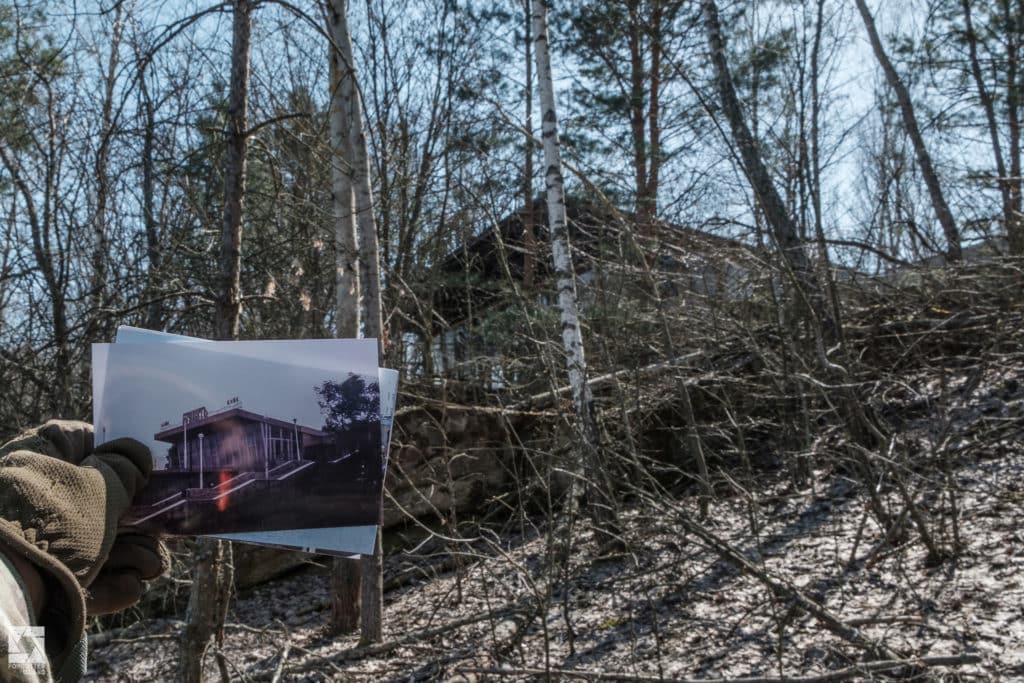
pixel 22 645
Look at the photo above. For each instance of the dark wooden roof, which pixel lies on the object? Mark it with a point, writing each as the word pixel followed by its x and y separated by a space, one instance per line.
pixel 172 434
pixel 475 272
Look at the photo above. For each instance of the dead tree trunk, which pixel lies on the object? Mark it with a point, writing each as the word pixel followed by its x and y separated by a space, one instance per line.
pixel 529 234
pixel 592 468
pixel 342 94
pixel 229 299
pixel 213 572
pixel 783 230
pixel 924 160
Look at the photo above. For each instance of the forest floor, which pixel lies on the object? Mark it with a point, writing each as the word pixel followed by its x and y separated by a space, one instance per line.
pixel 670 608
pixel 675 605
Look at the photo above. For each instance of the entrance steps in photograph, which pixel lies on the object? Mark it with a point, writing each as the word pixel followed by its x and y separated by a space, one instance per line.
pixel 287 469
pixel 223 489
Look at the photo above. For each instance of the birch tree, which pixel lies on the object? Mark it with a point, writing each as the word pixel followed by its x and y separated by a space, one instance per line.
pixel 345 578
pixel 593 466
pixel 529 234
pixel 371 566
pixel 924 160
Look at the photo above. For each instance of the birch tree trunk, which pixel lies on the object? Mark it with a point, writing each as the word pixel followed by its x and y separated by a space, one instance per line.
pixel 1012 46
pixel 357 589
pixel 345 577
pixel 592 468
pixel 213 572
pixel 924 160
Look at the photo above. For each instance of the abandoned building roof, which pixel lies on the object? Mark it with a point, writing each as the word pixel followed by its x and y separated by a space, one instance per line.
pixel 173 434
pixel 478 270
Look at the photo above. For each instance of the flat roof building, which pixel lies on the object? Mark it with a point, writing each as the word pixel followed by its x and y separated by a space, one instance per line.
pixel 237 440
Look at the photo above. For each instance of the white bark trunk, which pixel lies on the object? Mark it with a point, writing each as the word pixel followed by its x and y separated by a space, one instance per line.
pixel 371 566
pixel 369 247
pixel 565 274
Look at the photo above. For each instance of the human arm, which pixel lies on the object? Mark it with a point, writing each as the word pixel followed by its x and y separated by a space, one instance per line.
pixel 60 504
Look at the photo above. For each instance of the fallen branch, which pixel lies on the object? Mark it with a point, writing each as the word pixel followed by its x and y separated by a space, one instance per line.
pixel 867 621
pixel 785 590
pixel 137 639
pixel 355 653
pixel 424 571
pixel 116 636
pixel 279 669
pixel 838 675
pixel 650 370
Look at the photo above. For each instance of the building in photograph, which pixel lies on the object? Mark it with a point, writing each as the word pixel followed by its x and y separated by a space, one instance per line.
pixel 238 470
pixel 237 440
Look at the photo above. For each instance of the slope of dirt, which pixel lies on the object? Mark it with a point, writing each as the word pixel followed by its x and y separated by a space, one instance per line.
pixel 671 608
pixel 931 566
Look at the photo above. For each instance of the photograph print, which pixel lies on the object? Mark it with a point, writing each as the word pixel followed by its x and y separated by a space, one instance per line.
pixel 342 541
pixel 244 443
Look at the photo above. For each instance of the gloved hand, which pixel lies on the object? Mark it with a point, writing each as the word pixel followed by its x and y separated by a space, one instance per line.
pixel 135 557
pixel 67 440
pixel 60 502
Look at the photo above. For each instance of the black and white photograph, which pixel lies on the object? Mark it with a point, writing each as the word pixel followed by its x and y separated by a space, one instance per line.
pixel 243 443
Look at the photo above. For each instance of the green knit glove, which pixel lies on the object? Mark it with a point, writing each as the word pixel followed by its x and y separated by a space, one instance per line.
pixel 68 440
pixel 59 508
